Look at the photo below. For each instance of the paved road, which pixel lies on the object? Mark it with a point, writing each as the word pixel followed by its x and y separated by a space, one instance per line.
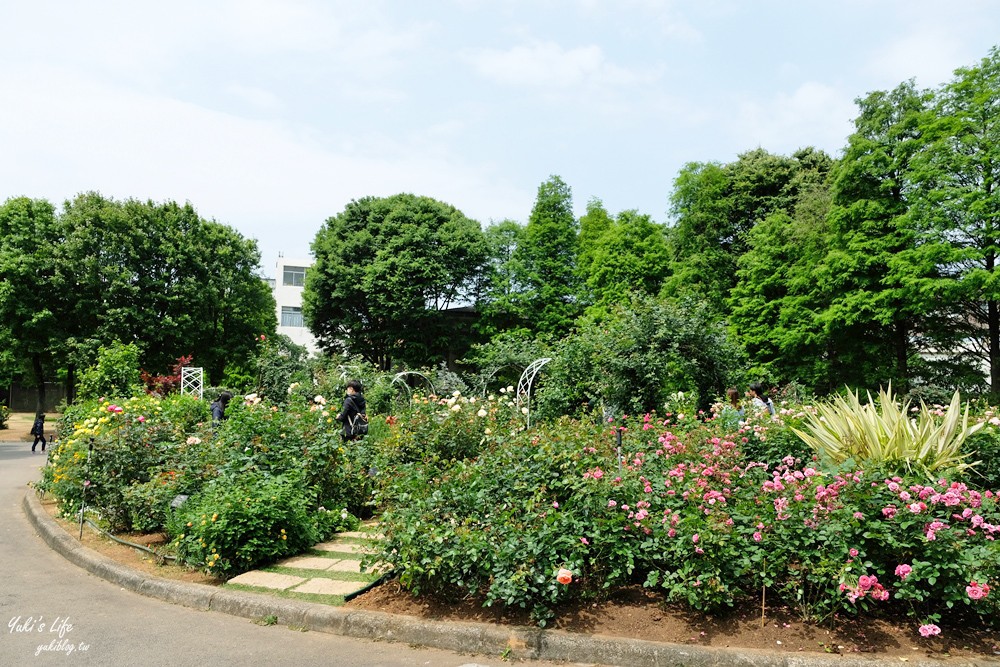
pixel 52 612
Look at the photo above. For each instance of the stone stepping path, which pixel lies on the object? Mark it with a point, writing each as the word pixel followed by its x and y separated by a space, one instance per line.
pixel 328 573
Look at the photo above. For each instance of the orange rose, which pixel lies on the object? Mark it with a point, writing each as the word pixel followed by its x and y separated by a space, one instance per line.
pixel 564 576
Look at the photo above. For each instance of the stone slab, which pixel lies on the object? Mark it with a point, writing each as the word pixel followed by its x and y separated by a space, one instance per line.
pixel 308 562
pixel 345 547
pixel 322 586
pixel 267 580
pixel 346 565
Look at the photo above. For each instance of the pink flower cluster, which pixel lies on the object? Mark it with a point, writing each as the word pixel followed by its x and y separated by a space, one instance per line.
pixel 868 586
pixel 977 591
pixel 929 630
pixel 116 409
pixel 919 499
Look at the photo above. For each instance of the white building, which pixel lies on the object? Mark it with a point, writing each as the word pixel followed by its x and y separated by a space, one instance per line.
pixel 287 288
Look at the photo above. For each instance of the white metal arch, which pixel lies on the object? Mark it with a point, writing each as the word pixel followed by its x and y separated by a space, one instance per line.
pixel 524 385
pixel 400 378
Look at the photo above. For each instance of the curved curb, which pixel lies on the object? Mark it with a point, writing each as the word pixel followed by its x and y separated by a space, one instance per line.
pixel 461 637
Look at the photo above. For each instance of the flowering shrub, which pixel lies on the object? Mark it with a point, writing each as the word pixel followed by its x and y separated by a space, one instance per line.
pixel 236 524
pixel 475 505
pixel 436 430
pixel 689 514
pixel 135 457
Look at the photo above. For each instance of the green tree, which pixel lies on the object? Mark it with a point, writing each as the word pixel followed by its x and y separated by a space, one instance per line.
pixel 631 256
pixel 870 302
pixel 956 211
pixel 775 304
pixel 32 294
pixel 386 270
pixel 546 261
pixel 715 206
pixel 593 226
pixel 160 275
pixel 498 291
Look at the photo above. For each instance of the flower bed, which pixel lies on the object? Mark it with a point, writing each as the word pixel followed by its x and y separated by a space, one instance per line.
pixel 473 505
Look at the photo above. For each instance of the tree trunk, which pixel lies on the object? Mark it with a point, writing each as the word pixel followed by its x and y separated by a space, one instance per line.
pixel 38 371
pixel 902 345
pixel 70 383
pixel 993 322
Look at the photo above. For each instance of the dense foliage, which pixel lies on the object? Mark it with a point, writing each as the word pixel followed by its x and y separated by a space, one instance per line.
pixel 386 271
pixel 103 271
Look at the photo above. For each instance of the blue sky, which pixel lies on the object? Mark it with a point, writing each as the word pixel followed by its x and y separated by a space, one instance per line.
pixel 271 115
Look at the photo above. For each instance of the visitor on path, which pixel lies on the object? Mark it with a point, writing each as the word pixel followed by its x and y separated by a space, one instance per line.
pixel 353 415
pixel 759 398
pixel 733 394
pixel 38 430
pixel 218 408
pixel 732 413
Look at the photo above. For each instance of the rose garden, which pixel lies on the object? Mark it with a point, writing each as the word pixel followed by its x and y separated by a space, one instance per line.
pixel 854 505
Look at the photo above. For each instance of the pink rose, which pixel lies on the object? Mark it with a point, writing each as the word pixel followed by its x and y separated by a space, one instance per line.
pixel 903 571
pixel 929 630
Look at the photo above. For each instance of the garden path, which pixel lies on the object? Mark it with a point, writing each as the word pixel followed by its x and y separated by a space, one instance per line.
pixel 329 573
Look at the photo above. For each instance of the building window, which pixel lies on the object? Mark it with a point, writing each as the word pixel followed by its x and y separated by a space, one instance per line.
pixel 291 317
pixel 294 276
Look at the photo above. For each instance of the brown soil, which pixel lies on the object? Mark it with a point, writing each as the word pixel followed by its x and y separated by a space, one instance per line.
pixel 135 558
pixel 640 614
pixel 637 613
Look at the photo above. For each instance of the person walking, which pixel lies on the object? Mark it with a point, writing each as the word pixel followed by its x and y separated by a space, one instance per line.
pixel 353 415
pixel 38 430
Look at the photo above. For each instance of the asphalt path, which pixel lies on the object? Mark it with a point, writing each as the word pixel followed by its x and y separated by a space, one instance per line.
pixel 52 612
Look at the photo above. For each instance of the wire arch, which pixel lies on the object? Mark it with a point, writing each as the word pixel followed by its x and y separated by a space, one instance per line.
pixel 524 385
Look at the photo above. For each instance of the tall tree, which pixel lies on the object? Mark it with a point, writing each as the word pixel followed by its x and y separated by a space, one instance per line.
pixel 774 305
pixel 386 270
pixel 32 299
pixel 714 208
pixel 593 226
pixel 956 207
pixel 870 303
pixel 499 289
pixel 547 261
pixel 164 278
pixel 630 257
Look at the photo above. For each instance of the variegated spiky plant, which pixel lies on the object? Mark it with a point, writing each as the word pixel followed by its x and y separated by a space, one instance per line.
pixel 885 432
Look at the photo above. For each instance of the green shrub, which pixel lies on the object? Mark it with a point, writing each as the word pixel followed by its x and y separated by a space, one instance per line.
pixel 115 375
pixel 331 522
pixel 984 447
pixel 237 524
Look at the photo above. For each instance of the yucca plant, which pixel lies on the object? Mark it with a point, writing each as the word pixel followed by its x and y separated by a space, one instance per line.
pixel 883 432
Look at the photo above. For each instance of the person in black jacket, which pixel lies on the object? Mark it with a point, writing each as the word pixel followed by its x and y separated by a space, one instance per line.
pixel 353 415
pixel 38 430
pixel 218 408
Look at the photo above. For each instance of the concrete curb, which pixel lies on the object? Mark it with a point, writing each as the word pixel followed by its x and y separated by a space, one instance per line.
pixel 525 643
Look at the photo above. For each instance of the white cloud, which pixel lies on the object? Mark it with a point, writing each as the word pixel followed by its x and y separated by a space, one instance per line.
pixel 270 180
pixel 546 64
pixel 813 114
